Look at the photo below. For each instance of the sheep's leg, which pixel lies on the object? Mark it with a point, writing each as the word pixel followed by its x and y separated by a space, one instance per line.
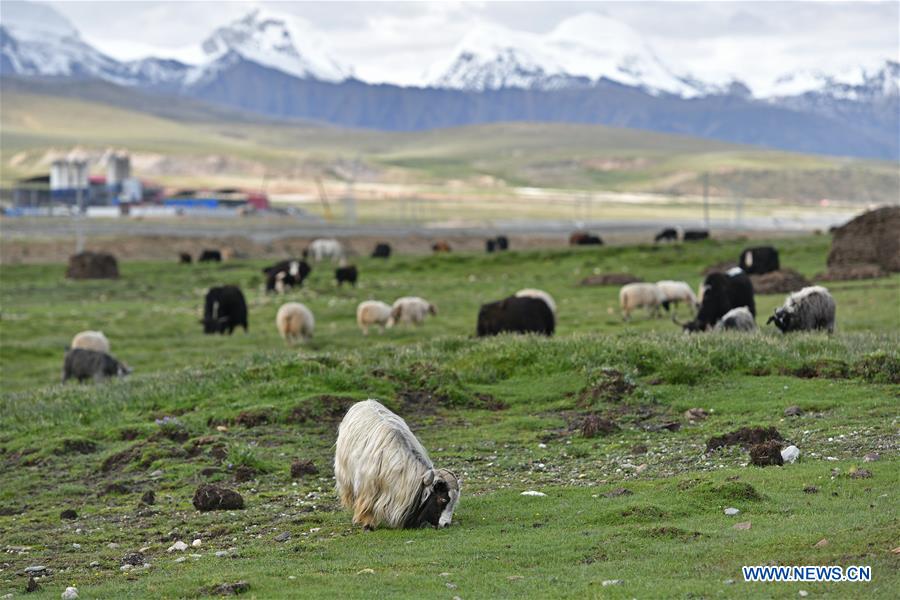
pixel 365 330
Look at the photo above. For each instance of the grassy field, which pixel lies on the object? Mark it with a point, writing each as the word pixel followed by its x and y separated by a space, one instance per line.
pixel 176 142
pixel 506 414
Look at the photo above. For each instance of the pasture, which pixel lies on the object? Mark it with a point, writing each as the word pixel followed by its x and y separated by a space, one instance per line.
pixel 636 511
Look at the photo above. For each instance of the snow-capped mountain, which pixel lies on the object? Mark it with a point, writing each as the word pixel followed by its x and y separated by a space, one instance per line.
pixel 35 40
pixel 272 40
pixel 579 51
pixel 857 83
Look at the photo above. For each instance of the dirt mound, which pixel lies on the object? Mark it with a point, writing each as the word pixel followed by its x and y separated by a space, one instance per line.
pixel 766 454
pixel 299 468
pixel 745 437
pixel 871 238
pixel 611 279
pixel 594 425
pixel 92 265
pixel 782 281
pixel 852 272
pixel 610 385
pixel 212 497
pixel 721 267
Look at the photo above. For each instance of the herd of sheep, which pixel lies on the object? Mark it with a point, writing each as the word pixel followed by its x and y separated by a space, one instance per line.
pixel 724 302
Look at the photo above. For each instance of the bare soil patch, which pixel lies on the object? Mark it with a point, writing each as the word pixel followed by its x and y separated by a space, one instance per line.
pixel 213 497
pixel 782 281
pixel 766 454
pixel 870 238
pixel 92 265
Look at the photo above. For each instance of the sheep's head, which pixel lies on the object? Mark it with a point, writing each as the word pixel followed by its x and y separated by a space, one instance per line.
pixel 440 495
pixel 782 319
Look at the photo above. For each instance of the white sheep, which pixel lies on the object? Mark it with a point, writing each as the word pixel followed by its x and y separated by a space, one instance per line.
pixel 383 473
pixel 635 295
pixel 677 292
pixel 294 321
pixel 321 249
pixel 373 312
pixel 412 309
pixel 540 295
pixel 736 319
pixel 90 340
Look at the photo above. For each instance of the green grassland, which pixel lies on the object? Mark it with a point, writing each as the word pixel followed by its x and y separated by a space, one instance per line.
pixel 584 157
pixel 504 413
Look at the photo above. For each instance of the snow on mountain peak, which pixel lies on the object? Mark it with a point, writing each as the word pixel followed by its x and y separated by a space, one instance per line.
pixel 31 21
pixel 851 82
pixel 583 48
pixel 282 42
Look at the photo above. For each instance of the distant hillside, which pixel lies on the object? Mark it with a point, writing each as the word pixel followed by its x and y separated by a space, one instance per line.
pixel 180 141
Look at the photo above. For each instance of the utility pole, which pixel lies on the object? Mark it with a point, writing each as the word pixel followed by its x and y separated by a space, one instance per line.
pixel 706 199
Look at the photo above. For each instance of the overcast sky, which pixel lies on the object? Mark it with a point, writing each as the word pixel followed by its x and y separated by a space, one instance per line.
pixel 397 41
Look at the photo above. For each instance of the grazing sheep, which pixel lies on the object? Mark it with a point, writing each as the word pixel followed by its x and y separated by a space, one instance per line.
pixel 321 249
pixel 809 309
pixel 382 250
pixel 412 309
pixel 383 473
pixel 294 321
pixel 91 340
pixel 636 295
pixel 346 273
pixel 516 315
pixel 441 246
pixel 677 292
pixel 373 312
pixel 737 319
pixel 210 256
pixel 669 234
pixel 540 295
pixel 82 364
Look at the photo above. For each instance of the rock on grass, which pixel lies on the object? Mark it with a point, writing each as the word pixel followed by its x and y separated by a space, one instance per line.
pixel 766 454
pixel 213 497
pixel 229 589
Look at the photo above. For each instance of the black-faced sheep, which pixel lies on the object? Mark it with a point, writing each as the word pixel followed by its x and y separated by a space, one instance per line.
pixel 224 309
pixel 636 295
pixel 383 473
pixel 516 315
pixel 294 322
pixel 736 319
pixel 759 260
pixel 809 309
pixel 84 364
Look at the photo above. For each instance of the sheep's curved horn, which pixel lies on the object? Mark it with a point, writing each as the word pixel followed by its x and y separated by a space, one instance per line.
pixel 676 321
pixel 428 477
pixel 772 318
